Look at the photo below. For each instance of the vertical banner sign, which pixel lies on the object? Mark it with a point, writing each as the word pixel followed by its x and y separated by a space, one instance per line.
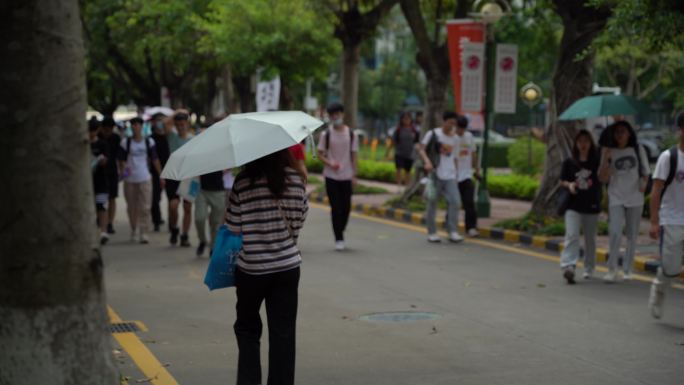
pixel 268 95
pixel 472 76
pixel 505 94
pixel 461 31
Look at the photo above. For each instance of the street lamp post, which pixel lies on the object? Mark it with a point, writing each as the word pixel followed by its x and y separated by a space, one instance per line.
pixel 490 14
pixel 531 94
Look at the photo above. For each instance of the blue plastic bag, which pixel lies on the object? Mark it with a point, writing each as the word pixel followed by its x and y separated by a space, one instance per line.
pixel 221 270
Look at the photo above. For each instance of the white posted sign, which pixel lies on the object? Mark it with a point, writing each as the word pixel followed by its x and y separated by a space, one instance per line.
pixel 472 76
pixel 268 95
pixel 505 94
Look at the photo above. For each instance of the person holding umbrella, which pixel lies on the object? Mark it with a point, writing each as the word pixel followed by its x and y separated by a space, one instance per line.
pixel 624 166
pixel 267 206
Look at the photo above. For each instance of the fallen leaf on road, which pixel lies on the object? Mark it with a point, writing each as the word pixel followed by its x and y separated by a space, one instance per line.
pixel 149 341
pixel 467 284
pixel 413 306
pixel 541 285
pixel 434 330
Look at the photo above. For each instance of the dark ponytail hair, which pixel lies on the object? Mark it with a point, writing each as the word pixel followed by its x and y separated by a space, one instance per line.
pixel 593 153
pixel 272 167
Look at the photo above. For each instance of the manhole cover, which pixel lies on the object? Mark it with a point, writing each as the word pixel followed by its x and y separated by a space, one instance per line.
pixel 399 316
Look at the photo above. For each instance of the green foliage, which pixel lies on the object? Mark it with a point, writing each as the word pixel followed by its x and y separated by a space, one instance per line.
pixel 280 37
pixel 360 189
pixel 367 169
pixel 520 187
pixel 498 155
pixel 538 225
pixel 312 180
pixel 526 156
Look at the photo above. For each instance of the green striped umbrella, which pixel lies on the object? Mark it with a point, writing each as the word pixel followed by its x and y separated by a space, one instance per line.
pixel 604 105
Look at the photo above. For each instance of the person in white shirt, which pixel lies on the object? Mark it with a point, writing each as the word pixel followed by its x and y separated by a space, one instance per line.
pixel 468 166
pixel 438 150
pixel 667 218
pixel 137 153
pixel 624 166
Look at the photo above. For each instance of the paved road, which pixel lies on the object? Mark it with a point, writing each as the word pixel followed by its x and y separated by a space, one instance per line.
pixel 504 317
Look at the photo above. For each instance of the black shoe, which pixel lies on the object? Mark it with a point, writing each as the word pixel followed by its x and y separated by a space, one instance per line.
pixel 200 249
pixel 569 275
pixel 185 242
pixel 174 237
pixel 110 229
pixel 104 239
pixel 162 222
pixel 156 227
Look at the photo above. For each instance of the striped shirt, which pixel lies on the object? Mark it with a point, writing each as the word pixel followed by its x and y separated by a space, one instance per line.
pixel 267 246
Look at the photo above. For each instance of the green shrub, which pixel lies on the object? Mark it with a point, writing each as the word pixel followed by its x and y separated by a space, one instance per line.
pixel 359 189
pixel 519 156
pixel 512 186
pixel 539 225
pixel 497 155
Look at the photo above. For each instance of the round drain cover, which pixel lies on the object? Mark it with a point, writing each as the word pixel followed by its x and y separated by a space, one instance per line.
pixel 402 316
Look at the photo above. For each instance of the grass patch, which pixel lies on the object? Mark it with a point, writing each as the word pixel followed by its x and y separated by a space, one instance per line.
pixel 539 225
pixel 359 189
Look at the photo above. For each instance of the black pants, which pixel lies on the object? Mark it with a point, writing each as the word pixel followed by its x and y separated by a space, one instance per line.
pixel 156 198
pixel 339 195
pixel 467 191
pixel 279 290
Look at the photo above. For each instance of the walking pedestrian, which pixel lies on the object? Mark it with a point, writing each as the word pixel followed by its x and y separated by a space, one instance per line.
pixel 137 152
pixel 162 147
pixel 667 219
pixel 268 207
pixel 468 167
pixel 210 203
pixel 337 149
pixel 624 166
pixel 438 150
pixel 99 160
pixel 404 140
pixel 579 174
pixel 113 141
pixel 299 160
pixel 177 136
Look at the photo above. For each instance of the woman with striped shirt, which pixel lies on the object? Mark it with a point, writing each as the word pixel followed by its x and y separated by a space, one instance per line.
pixel 268 207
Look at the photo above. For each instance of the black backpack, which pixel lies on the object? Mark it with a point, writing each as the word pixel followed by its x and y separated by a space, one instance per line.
pixel 432 149
pixel 674 162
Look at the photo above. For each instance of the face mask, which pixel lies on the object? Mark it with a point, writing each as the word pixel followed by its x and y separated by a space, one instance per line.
pixel 338 121
pixel 159 125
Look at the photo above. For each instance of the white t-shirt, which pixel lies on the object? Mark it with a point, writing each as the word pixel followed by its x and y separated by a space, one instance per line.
pixel 672 204
pixel 136 163
pixel 339 151
pixel 623 187
pixel 447 162
pixel 466 149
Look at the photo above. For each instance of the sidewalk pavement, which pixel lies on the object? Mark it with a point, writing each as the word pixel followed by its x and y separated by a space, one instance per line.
pixel 374 204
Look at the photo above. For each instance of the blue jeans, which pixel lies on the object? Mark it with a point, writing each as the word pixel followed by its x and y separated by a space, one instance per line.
pixel 449 190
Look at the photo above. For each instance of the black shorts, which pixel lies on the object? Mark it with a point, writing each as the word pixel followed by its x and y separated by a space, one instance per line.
pixel 113 186
pixel 403 163
pixel 172 189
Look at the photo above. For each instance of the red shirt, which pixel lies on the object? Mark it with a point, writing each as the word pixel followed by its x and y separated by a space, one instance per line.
pixel 297 152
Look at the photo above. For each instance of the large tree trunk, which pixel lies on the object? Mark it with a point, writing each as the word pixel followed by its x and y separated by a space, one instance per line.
pixel 351 56
pixel 436 101
pixel 572 80
pixel 243 85
pixel 53 323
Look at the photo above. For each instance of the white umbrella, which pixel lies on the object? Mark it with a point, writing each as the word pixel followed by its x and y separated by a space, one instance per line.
pixel 151 111
pixel 237 140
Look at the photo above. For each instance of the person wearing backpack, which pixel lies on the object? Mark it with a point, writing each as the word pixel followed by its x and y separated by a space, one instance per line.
pixel 667 219
pixel 337 149
pixel 439 152
pixel 403 141
pixel 624 166
pixel 136 154
pixel 579 177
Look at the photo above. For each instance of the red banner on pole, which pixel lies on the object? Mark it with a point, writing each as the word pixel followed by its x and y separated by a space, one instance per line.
pixel 458 32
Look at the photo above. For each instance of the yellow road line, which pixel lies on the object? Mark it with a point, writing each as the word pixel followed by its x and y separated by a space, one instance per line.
pixel 522 251
pixel 141 355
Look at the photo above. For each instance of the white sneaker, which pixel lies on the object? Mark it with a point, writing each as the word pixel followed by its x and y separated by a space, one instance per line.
pixel 339 246
pixel 473 233
pixel 134 235
pixel 610 277
pixel 104 238
pixel 655 301
pixel 143 239
pixel 627 276
pixel 434 238
pixel 455 237
pixel 588 274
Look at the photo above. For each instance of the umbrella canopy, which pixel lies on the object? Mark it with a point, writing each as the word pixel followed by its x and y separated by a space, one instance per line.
pixel 237 140
pixel 603 105
pixel 151 111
